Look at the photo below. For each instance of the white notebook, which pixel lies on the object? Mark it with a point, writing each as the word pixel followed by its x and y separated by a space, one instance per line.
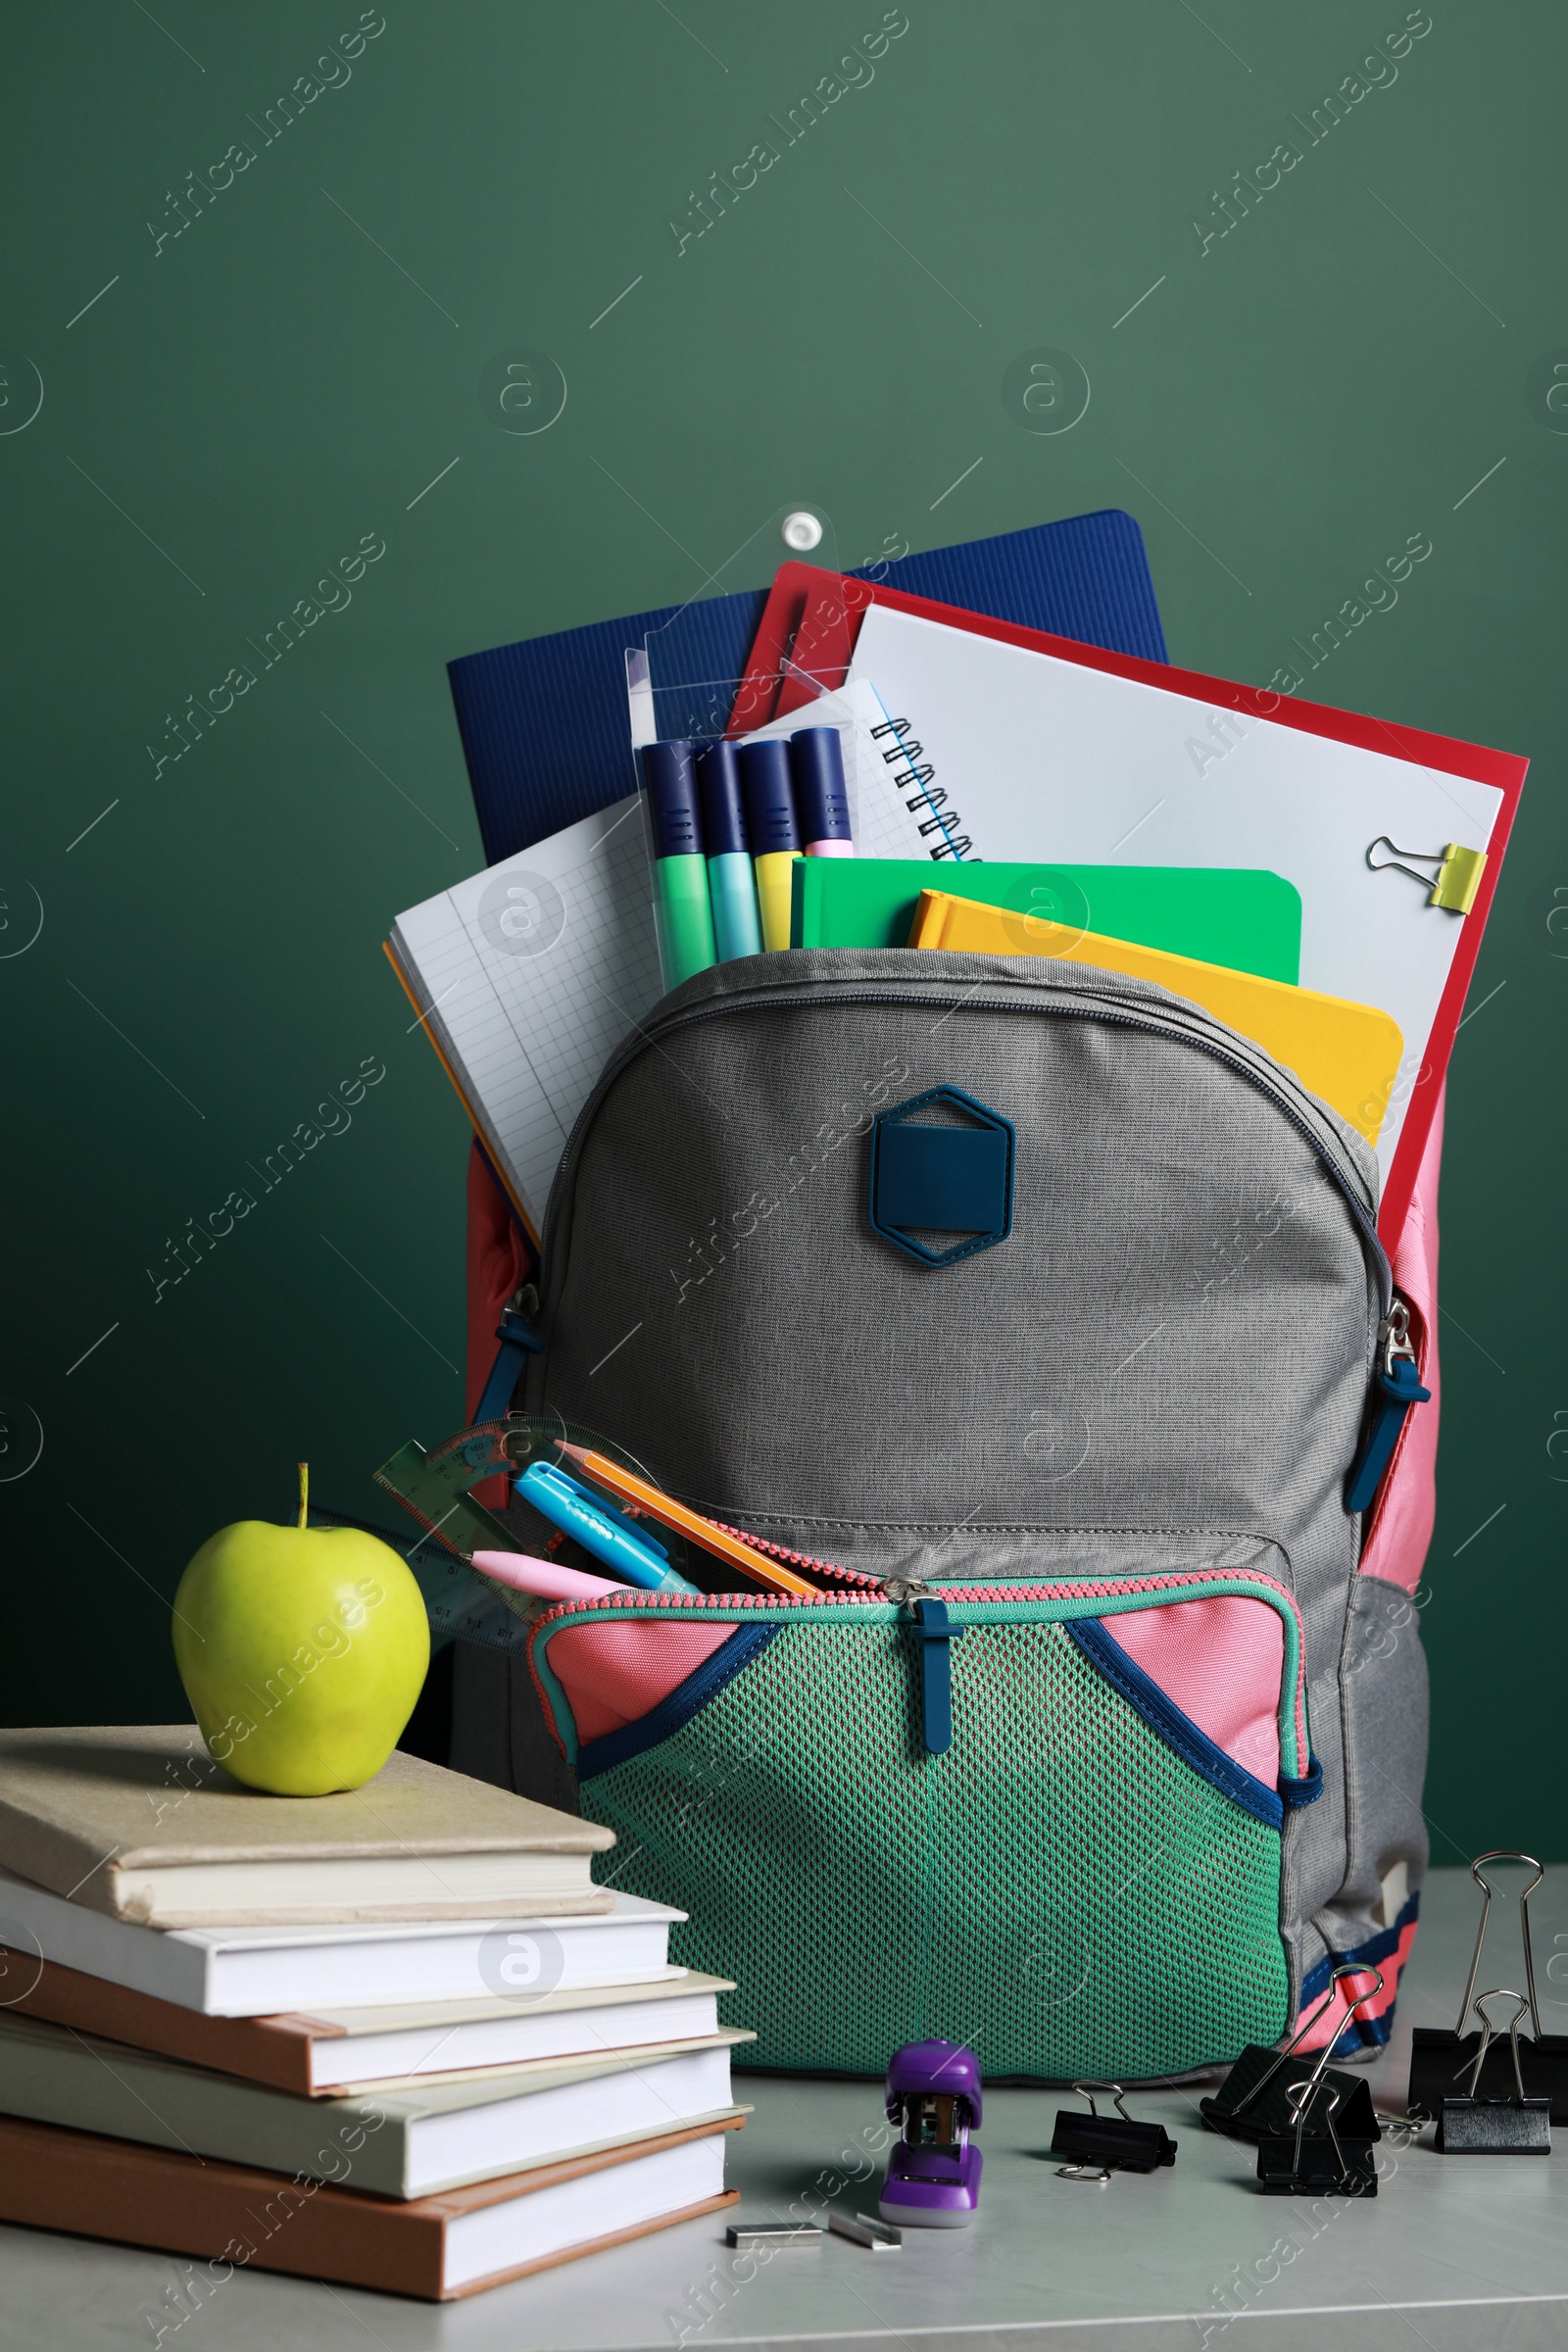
pixel 1051 759
pixel 528 976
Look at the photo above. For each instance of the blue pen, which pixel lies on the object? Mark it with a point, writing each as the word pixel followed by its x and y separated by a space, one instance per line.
pixel 731 884
pixel 599 1528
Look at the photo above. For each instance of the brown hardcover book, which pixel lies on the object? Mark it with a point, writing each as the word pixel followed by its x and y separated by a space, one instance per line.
pixel 322 2057
pixel 138 1820
pixel 438 2247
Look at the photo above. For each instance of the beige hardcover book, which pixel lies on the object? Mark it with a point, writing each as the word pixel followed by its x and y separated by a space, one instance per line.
pixel 436 2247
pixel 136 1820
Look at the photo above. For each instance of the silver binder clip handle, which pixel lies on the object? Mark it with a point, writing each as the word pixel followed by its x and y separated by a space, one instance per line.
pixel 1396 857
pixel 1302 2094
pixel 1113 2090
pixel 1347 1968
pixel 1478 1873
pixel 1498 1992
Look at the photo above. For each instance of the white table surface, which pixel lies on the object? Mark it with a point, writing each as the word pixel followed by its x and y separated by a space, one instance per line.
pixel 1458 2254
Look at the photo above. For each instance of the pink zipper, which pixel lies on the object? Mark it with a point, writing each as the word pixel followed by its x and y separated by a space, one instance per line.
pixel 867 1587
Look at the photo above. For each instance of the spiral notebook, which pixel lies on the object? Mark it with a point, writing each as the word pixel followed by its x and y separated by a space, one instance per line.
pixel 1051 748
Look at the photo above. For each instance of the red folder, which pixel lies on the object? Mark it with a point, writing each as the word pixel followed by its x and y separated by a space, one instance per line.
pixel 819 615
pixel 794 586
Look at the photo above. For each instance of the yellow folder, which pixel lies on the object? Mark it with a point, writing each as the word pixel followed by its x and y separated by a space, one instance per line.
pixel 1348 1055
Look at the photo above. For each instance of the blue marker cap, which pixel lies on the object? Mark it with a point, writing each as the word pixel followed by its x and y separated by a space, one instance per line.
pixel 718 792
pixel 770 800
pixel 672 799
pixel 816 765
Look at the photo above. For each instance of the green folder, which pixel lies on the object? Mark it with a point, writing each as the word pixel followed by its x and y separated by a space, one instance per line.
pixel 1246 918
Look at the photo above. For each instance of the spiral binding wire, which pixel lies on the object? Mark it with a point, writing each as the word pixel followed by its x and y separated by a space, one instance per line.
pixel 928 794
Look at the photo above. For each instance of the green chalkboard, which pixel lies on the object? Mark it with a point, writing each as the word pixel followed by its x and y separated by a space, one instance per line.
pixel 266 271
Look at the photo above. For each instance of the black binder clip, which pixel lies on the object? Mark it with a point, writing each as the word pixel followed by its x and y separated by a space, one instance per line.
pixel 1257 2101
pixel 1097 2145
pixel 1309 2164
pixel 1439 2058
pixel 1511 2125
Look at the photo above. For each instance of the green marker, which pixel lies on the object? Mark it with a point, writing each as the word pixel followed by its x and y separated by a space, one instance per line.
pixel 681 870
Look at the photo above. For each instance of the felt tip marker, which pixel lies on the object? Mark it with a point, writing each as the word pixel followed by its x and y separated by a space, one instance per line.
pixel 821 804
pixel 774 835
pixel 731 882
pixel 681 870
pixel 636 1557
pixel 627 1487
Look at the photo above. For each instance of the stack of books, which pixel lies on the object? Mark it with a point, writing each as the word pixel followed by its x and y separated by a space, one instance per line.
pixel 395 2037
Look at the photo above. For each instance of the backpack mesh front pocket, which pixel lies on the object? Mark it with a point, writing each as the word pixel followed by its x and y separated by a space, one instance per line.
pixel 1065 1891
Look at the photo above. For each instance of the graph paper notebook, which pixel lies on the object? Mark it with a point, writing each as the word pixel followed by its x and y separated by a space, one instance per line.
pixel 526 977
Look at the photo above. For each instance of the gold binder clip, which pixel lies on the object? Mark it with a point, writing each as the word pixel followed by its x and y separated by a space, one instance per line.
pixel 1458 872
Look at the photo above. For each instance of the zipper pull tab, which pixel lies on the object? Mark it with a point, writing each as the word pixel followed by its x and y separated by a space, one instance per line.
pixel 1396 1387
pixel 934 1632
pixel 1394 1335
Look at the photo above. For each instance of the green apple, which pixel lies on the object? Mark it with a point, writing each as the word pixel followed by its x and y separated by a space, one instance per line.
pixel 301 1650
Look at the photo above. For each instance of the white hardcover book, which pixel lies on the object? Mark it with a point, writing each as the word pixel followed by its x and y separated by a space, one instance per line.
pixel 260 1972
pixel 404 2138
pixel 490 2243
pixel 441 2037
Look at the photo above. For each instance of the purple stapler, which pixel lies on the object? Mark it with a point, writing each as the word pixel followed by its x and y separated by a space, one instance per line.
pixel 933 2178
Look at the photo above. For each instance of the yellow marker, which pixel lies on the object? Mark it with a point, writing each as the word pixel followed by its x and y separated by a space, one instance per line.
pixel 773 834
pixel 775 876
pixel 1348 1055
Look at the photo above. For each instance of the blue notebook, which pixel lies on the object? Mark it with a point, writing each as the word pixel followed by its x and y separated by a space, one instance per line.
pixel 544 723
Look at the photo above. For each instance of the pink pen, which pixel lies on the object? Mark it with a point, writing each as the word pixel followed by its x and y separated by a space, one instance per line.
pixel 542 1577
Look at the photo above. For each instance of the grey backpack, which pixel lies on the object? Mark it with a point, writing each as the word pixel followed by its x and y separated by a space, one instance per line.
pixel 1037 1314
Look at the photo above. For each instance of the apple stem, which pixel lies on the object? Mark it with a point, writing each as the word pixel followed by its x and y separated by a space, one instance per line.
pixel 305 1490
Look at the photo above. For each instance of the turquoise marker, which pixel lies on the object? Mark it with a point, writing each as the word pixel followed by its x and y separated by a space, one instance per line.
pixel 636 1556
pixel 731 882
pixel 681 870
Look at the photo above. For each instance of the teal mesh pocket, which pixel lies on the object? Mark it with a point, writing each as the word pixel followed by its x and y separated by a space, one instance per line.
pixel 1061 1891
